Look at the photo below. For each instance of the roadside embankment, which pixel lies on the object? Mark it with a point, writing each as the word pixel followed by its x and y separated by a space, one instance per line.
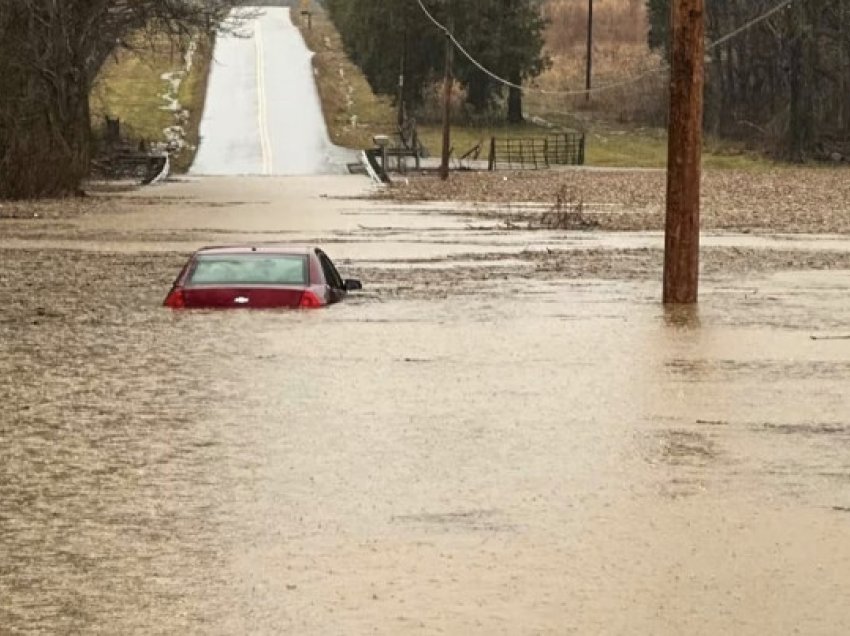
pixel 157 91
pixel 353 113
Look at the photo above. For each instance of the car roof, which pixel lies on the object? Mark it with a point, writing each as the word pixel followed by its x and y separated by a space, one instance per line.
pixel 263 248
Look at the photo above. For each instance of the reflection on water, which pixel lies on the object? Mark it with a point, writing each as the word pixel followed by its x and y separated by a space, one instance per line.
pixel 684 316
pixel 575 460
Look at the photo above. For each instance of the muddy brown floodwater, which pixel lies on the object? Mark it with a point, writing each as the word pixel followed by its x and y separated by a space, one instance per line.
pixel 504 434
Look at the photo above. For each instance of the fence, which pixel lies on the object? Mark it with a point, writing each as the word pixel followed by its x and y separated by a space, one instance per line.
pixel 534 153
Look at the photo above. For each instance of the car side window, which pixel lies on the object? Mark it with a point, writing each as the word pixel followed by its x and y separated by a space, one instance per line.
pixel 331 275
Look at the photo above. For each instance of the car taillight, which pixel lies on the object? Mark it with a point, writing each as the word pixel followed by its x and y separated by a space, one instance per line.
pixel 309 300
pixel 175 299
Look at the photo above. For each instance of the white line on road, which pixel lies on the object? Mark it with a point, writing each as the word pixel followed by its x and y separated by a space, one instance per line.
pixel 262 105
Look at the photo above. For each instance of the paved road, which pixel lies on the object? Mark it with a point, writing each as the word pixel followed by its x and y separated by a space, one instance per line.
pixel 263 115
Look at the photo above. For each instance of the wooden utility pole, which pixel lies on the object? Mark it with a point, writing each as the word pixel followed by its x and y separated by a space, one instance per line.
pixel 401 73
pixel 842 77
pixel 401 88
pixel 447 104
pixel 589 76
pixel 681 243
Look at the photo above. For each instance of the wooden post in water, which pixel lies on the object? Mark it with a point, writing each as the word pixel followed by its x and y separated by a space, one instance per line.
pixel 681 243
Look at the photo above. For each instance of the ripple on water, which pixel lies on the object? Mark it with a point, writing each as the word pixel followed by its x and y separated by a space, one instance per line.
pixel 535 446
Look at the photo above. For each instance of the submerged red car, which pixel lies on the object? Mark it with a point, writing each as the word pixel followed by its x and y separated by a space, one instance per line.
pixel 258 277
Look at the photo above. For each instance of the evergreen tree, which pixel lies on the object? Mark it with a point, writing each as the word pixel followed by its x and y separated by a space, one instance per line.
pixel 506 37
pixel 381 35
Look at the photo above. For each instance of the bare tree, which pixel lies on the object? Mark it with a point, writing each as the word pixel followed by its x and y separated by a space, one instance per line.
pixel 782 82
pixel 50 53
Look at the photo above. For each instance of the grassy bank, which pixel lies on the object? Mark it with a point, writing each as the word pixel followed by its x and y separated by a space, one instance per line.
pixel 131 88
pixel 647 148
pixel 353 113
pixel 606 146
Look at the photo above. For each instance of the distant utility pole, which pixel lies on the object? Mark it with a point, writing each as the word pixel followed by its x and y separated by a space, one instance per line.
pixel 589 49
pixel 681 242
pixel 401 85
pixel 402 71
pixel 447 102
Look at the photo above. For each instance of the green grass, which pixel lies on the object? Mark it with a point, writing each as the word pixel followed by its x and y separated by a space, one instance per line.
pixel 615 148
pixel 130 88
pixel 643 148
pixel 464 137
pixel 647 148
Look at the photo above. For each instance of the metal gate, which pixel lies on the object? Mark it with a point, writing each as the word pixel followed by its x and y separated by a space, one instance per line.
pixel 534 153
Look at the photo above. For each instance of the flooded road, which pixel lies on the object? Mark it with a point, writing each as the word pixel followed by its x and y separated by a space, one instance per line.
pixel 504 434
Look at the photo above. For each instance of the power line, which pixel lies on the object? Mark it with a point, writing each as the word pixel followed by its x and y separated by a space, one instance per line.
pixel 606 87
pixel 750 24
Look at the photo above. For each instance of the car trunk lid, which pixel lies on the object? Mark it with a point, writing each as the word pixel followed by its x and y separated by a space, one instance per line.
pixel 242 297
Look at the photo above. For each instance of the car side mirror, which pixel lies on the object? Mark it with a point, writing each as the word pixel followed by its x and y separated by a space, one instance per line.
pixel 352 284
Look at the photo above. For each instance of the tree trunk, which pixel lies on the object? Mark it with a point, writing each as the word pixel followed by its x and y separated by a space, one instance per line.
pixel 44 107
pixel 45 143
pixel 515 115
pixel 49 50
pixel 478 92
pixel 800 111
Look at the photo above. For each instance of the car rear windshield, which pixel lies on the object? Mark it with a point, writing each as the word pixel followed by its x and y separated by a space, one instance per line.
pixel 249 269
